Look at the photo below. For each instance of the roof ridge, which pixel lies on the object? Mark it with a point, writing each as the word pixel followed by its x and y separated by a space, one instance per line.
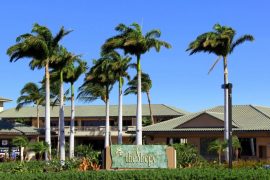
pixel 260 106
pixel 183 112
pixel 213 112
pixel 259 111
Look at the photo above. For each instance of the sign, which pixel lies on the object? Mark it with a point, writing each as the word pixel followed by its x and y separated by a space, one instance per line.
pixel 4 142
pixel 139 156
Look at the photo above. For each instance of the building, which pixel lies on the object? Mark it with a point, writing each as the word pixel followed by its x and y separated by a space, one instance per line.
pixel 251 124
pixel 2 101
pixel 11 129
pixel 90 121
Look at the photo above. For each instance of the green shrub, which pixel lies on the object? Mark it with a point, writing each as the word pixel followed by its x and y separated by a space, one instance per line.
pixel 87 152
pixel 187 156
pixel 157 174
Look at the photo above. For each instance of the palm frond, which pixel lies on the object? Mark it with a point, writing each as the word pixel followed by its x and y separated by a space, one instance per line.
pixel 213 66
pixel 62 32
pixel 241 40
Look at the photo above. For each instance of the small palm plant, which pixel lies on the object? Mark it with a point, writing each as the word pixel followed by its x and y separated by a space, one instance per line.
pixel 236 146
pixel 39 148
pixel 21 142
pixel 217 146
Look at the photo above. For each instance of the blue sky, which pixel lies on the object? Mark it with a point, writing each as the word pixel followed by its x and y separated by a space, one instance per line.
pixel 178 79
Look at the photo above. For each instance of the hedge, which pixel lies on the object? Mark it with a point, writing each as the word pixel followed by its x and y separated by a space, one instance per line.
pixel 159 174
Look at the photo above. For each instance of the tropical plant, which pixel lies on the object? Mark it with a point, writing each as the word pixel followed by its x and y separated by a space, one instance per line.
pixel 72 72
pixel 31 93
pixel 39 148
pixel 88 152
pixel 146 87
pixel 146 121
pixel 217 146
pixel 134 42
pixel 40 45
pixel 20 142
pixel 120 66
pixel 222 43
pixel 98 83
pixel 236 146
pixel 187 155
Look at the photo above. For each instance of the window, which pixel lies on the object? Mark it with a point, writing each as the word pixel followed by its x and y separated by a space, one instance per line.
pixel 176 140
pixel 248 146
pixel 204 144
pixel 93 123
pixel 127 122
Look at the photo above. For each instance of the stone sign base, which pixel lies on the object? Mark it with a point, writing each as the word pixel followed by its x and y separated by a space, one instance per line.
pixel 139 157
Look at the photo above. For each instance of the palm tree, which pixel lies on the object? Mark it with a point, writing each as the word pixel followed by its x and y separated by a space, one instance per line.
pixel 221 43
pixel 218 146
pixel 71 75
pixel 59 62
pixel 98 83
pixel 40 45
pixel 134 42
pixel 21 142
pixel 146 86
pixel 55 88
pixel 31 94
pixel 39 148
pixel 236 146
pixel 120 66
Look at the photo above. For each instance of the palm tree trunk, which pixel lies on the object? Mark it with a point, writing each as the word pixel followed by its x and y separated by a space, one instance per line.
pixel 139 105
pixel 236 154
pixel 150 108
pixel 47 113
pixel 62 121
pixel 38 121
pixel 219 157
pixel 120 116
pixel 58 138
pixel 226 108
pixel 107 127
pixel 21 153
pixel 72 128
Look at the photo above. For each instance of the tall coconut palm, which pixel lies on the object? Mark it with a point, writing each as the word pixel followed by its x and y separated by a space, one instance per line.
pixel 146 87
pixel 40 45
pixel 222 43
pixel 31 93
pixel 98 83
pixel 120 66
pixel 132 40
pixel 72 73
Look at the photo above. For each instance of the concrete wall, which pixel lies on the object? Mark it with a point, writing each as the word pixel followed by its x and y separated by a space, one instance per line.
pixel 1 106
pixel 265 142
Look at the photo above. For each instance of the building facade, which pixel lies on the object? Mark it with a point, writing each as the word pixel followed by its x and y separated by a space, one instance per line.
pixel 90 121
pixel 251 124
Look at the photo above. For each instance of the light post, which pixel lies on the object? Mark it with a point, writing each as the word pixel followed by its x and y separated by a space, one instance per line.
pixel 229 87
